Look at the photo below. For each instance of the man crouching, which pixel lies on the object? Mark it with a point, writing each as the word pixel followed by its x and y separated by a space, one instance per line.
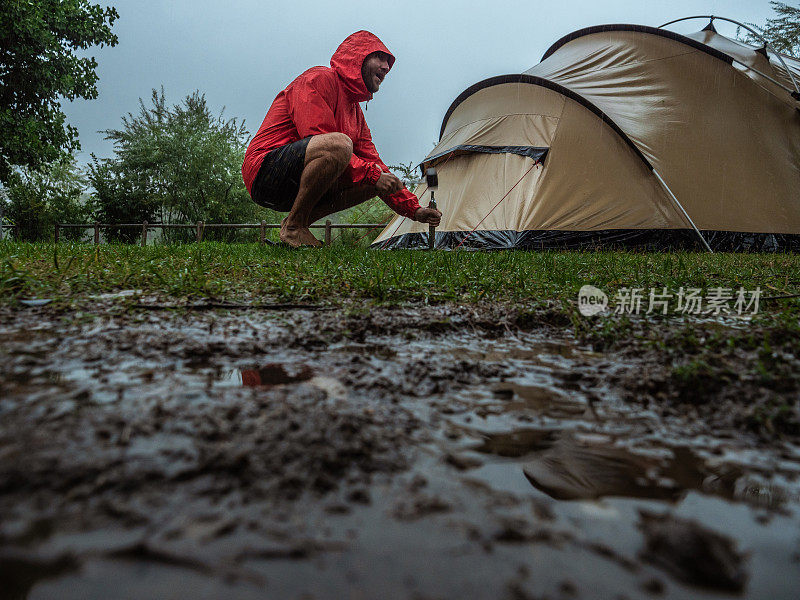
pixel 313 154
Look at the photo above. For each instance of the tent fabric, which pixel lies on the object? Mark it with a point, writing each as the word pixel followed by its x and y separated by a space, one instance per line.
pixel 618 107
pixel 523 78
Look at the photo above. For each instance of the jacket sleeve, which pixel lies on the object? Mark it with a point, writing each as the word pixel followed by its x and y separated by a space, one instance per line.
pixel 311 101
pixel 403 202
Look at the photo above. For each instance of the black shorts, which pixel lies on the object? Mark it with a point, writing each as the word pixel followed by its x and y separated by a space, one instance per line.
pixel 278 179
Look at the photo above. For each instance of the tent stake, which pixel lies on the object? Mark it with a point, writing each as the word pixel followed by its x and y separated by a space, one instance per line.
pixel 433 182
pixel 685 214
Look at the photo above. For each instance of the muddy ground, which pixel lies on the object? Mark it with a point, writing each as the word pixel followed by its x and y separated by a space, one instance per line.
pixel 415 452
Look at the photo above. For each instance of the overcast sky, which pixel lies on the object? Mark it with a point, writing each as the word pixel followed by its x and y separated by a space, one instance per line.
pixel 243 52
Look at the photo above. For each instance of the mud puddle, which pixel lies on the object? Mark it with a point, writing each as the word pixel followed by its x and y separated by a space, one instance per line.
pixel 295 455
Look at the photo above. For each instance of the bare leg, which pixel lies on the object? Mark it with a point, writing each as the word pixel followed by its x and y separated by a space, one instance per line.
pixel 327 156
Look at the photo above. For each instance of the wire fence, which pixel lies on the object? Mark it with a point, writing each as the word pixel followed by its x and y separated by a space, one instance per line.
pixel 200 227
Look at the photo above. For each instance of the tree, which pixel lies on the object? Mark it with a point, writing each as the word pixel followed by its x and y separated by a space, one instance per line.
pixel 120 197
pixel 40 198
pixel 782 32
pixel 39 66
pixel 174 164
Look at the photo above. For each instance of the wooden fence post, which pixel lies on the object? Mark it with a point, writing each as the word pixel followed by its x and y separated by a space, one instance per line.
pixel 55 234
pixel 328 232
pixel 96 233
pixel 144 234
pixel 263 237
pixel 199 231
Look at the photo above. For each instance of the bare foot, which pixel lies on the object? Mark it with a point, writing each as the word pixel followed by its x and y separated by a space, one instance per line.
pixel 308 238
pixel 291 235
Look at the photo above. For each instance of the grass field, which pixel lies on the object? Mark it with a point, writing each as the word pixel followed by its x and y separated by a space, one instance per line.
pixel 249 272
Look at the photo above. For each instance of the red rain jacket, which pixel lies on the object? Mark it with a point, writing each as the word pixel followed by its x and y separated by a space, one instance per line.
pixel 325 100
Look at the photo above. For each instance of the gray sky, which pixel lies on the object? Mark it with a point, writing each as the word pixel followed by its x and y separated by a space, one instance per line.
pixel 242 53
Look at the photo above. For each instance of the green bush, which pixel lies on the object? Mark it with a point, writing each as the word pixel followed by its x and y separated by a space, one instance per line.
pixel 38 199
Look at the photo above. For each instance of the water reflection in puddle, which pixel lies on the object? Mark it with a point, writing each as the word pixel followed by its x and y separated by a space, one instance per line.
pixel 568 466
pixel 575 470
pixel 577 453
pixel 267 375
pixel 271 375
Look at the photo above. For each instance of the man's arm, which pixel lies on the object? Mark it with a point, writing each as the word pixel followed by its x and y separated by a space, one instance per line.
pixel 402 201
pixel 311 100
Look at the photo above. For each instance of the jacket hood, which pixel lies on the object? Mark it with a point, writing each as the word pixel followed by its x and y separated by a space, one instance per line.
pixel 349 57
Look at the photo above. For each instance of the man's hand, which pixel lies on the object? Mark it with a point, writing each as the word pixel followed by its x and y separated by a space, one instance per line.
pixel 428 215
pixel 388 184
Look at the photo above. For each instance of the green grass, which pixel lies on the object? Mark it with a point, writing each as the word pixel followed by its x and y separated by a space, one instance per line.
pixel 247 271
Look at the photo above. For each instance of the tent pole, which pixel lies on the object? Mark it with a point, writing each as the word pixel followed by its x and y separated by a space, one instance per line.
pixel 756 34
pixel 775 81
pixel 683 210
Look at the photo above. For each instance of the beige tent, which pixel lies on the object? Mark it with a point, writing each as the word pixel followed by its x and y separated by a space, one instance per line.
pixel 623 135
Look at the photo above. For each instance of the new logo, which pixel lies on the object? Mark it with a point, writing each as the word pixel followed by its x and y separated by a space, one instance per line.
pixel 591 301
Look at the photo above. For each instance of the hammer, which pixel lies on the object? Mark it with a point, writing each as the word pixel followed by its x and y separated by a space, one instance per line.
pixel 432 180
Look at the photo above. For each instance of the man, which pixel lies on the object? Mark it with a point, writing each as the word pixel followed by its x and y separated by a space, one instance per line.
pixel 313 155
